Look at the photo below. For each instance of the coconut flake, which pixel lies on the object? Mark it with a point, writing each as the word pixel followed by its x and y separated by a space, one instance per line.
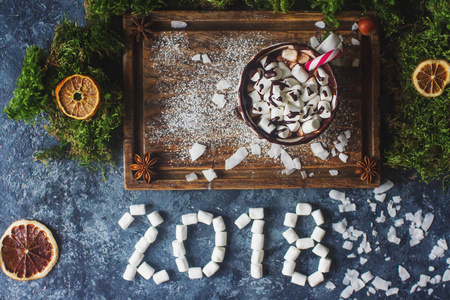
pixel 362 261
pixel 392 291
pixel 384 187
pixel 236 158
pixel 304 175
pixel 333 172
pixel 443 244
pixel 381 218
pixel 209 174
pixel 381 284
pixel 355 26
pixel 297 163
pixel 196 151
pixel 403 273
pixel 287 171
pixel 191 177
pixel 397 199
pixel 392 236
pixel 256 149
pixel 343 157
pixel 355 62
pixel 206 59
pixel 178 24
pixel 355 42
pixel 423 280
pixel 320 24
pixel 347 292
pixel 224 85
pixel 427 221
pixel 314 42
pixel 219 100
pixel 197 57
pixel 399 222
pixel 337 195
pixel 446 276
pixel 287 160
pixel 380 197
pixel 275 151
pixel 330 286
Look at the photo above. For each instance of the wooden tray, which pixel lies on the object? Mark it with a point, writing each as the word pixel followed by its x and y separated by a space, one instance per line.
pixel 158 71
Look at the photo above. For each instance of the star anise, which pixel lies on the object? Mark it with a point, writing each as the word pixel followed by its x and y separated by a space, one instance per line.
pixel 139 28
pixel 143 166
pixel 367 169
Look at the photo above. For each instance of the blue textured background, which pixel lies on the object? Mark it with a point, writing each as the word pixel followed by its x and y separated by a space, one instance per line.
pixel 83 212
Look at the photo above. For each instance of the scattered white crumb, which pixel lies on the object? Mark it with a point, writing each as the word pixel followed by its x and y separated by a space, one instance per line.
pixel 403 273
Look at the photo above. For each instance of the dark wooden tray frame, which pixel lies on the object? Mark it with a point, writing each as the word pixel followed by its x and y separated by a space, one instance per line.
pixel 240 20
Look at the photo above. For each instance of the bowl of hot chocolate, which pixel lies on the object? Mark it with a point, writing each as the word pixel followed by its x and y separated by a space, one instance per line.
pixel 282 101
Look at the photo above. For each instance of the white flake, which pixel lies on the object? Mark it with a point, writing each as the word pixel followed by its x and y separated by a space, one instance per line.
pixel 314 42
pixel 330 286
pixel 380 197
pixel 381 284
pixel 224 85
pixel 381 218
pixel 256 149
pixel 191 177
pixel 355 26
pixel 236 158
pixel 178 24
pixel 333 172
pixel 197 57
pixel 219 100
pixel 320 24
pixel 206 59
pixel 355 42
pixel 384 187
pixel 209 174
pixel 343 157
pixel 427 221
pixel 196 151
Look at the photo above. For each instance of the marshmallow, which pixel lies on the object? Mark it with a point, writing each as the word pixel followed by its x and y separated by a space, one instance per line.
pixel 321 76
pixel 303 209
pixel 292 254
pixel 293 125
pixel 257 256
pixel 265 125
pixel 288 268
pixel 299 73
pixel 242 221
pixel 137 209
pixel 195 273
pixel 255 96
pixel 210 269
pixel 160 277
pixel 290 220
pixel 284 69
pixel 318 217
pixel 178 248
pixel 293 96
pixel 256 74
pixel 313 103
pixel 320 250
pixel 324 265
pixel 290 235
pixel 276 114
pixel 218 224
pixel 218 254
pixel 155 218
pixel 291 81
pixel 146 270
pixel 182 264
pixel 298 279
pixel 315 278
pixel 256 271
pixel 318 234
pixel 260 108
pixel 205 217
pixel 309 92
pixel 257 241
pixel 268 62
pixel 304 243
pixel 126 220
pixel 151 234
pixel 274 74
pixel 256 213
pixel 129 273
pixel 289 54
pixel 142 245
pixel 189 219
pixel 181 232
pixel 291 112
pixel 325 93
pixel 282 131
pixel 262 85
pixel 324 109
pixel 136 258
pixel 221 238
pixel 306 114
pixel 258 226
pixel 276 100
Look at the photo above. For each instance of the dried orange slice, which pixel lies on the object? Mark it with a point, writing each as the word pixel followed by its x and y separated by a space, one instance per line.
pixel 431 76
pixel 78 96
pixel 28 251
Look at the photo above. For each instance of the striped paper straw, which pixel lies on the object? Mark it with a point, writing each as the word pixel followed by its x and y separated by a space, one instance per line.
pixel 323 59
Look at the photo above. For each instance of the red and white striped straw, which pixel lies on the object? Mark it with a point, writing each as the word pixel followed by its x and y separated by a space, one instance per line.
pixel 323 59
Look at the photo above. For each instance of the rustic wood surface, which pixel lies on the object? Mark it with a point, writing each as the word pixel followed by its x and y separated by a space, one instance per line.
pixel 146 104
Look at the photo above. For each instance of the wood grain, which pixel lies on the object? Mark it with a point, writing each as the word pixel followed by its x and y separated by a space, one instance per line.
pixel 149 95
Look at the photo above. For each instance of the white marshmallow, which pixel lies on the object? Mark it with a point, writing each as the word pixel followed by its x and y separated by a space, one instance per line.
pixel 257 256
pixel 299 73
pixel 303 209
pixel 313 103
pixel 263 85
pixel 324 108
pixel 274 74
pixel 318 217
pixel 288 268
pixel 151 234
pixel 304 243
pixel 142 245
pixel 205 217
pixel 256 271
pixel 292 254
pixel 290 235
pixel 276 114
pixel 182 264
pixel 293 96
pixel 321 76
pixel 260 108
pixel 266 125
pixel 195 273
pixel 242 221
pixel 189 219
pixel 290 220
pixel 282 131
pixel 178 248
pixel 292 113
pixel 310 126
pixel 218 254
pixel 284 69
pixel 268 65
pixel 309 91
pixel 126 220
pixel 210 269
pixel 318 234
pixel 160 277
pixel 129 273
pixel 256 213
pixel 257 241
pixel 146 270
pixel 181 232
pixel 324 265
pixel 258 73
pixel 320 250
pixel 293 125
pixel 298 279
pixel 221 238
pixel 255 96
pixel 306 114
pixel 258 226
pixel 289 54
pixel 155 218
pixel 137 209
pixel 136 258
pixel 291 81
pixel 315 278
pixel 325 93
pixel 218 224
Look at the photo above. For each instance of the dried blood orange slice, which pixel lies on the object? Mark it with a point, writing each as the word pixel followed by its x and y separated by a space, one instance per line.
pixel 28 251
pixel 78 96
pixel 431 76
